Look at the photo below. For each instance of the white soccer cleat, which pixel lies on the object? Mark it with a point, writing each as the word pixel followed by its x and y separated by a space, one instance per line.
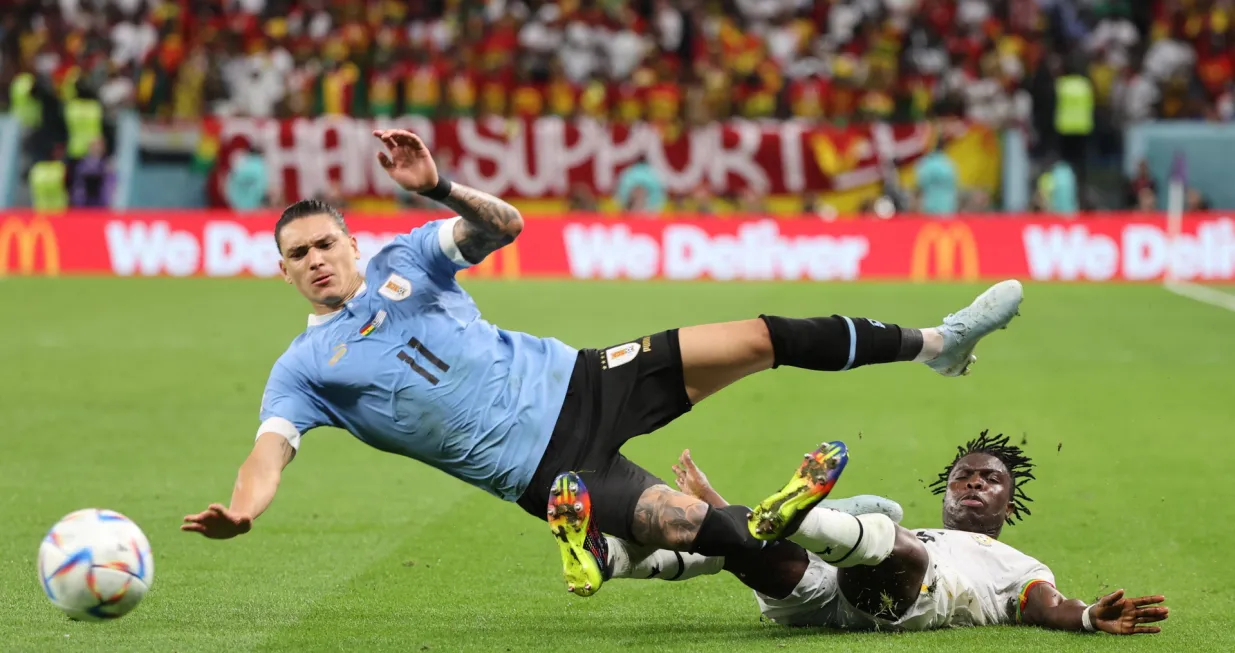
pixel 866 504
pixel 962 330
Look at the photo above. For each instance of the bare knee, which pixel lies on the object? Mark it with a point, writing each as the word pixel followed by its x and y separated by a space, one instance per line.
pixel 667 519
pixel 758 340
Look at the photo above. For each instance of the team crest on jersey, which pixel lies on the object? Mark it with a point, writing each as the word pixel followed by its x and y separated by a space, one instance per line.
pixel 984 540
pixel 619 355
pixel 396 288
pixel 373 324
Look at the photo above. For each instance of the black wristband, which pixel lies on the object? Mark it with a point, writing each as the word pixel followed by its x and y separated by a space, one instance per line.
pixel 439 192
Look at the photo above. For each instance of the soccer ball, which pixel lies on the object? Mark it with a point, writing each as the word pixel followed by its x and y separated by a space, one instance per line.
pixel 95 565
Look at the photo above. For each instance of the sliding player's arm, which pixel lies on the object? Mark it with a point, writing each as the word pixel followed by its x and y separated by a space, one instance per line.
pixel 256 483
pixel 487 223
pixel 289 409
pixel 1044 606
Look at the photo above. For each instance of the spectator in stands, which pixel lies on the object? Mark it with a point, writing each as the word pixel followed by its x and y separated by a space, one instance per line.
pixel 704 200
pixel 23 104
pixel 752 202
pixel 1074 113
pixel 636 201
pixel 581 198
pixel 83 115
pixel 93 179
pixel 247 181
pixel 641 176
pixel 333 195
pixel 48 179
pixel 1142 190
pixel 1057 188
pixel 1195 201
pixel 938 192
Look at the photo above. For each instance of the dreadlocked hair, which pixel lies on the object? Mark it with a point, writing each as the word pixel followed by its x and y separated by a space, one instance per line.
pixel 1019 466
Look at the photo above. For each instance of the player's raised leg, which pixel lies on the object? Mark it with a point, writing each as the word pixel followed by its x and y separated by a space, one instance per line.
pixel 716 355
pixel 881 564
pixel 811 483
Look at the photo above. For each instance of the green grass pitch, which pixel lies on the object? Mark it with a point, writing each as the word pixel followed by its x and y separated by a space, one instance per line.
pixel 142 396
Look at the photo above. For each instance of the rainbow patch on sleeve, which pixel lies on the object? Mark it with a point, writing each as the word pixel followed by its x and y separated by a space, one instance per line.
pixel 1024 597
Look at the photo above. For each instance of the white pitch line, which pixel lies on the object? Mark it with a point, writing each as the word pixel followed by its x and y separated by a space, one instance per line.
pixel 1202 294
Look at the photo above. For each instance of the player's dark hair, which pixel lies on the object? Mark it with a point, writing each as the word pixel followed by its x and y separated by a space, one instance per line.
pixel 304 209
pixel 1019 466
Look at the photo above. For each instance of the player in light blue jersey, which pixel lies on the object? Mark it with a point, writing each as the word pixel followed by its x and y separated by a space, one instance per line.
pixel 399 356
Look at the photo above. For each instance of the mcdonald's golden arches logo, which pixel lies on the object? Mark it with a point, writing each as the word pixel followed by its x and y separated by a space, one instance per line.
pixel 20 243
pixel 953 246
pixel 502 264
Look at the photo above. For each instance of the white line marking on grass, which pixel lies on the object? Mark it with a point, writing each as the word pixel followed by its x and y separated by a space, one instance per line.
pixel 1202 294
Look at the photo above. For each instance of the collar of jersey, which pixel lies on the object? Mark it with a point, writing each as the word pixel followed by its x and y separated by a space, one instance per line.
pixel 318 320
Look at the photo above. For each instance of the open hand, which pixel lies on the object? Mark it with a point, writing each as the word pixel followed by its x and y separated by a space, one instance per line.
pixel 407 160
pixel 217 523
pixel 1123 616
pixel 690 479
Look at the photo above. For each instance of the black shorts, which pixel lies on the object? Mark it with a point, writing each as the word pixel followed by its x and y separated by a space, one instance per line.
pixel 614 395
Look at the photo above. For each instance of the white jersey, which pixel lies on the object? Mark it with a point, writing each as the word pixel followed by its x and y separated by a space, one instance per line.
pixel 972 580
pixel 985 577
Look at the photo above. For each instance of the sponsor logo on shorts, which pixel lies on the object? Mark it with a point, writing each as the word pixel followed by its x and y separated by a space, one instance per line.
pixel 647 344
pixel 396 288
pixel 620 355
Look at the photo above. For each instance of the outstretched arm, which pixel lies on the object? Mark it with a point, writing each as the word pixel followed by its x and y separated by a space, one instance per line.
pixel 256 484
pixel 691 480
pixel 488 223
pixel 1046 607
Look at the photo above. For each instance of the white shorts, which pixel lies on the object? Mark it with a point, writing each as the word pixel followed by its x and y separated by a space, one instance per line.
pixel 818 601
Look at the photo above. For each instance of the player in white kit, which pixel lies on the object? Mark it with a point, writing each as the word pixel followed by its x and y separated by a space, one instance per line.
pixel 839 569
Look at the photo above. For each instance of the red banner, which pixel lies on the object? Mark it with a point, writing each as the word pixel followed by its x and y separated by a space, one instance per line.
pixel 546 157
pixel 1127 247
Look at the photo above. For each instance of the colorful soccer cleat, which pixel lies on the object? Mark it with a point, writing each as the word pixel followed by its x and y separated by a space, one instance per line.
pixel 815 478
pixel 585 552
pixel 962 330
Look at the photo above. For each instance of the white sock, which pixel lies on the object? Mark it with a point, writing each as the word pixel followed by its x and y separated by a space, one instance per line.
pixel 932 345
pixel 630 560
pixel 844 540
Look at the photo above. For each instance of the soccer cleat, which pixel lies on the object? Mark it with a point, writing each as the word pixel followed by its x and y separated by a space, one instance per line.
pixel 585 552
pixel 866 504
pixel 815 478
pixel 962 330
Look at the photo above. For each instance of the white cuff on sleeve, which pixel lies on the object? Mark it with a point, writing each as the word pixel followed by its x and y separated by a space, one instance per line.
pixel 282 427
pixel 446 238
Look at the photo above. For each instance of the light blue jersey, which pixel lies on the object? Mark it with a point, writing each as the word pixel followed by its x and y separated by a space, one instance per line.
pixel 937 181
pixel 409 367
pixel 1063 197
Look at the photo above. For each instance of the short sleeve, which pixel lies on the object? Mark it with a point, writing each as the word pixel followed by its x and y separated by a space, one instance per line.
pixel 1039 574
pixel 288 406
pixel 430 248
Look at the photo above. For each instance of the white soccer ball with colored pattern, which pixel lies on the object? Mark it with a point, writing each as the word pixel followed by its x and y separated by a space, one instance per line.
pixel 95 565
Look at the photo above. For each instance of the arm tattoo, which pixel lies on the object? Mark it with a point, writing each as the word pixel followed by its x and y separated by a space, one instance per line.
pixel 668 519
pixel 488 223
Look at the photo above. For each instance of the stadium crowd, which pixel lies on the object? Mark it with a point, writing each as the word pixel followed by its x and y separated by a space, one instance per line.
pixel 671 63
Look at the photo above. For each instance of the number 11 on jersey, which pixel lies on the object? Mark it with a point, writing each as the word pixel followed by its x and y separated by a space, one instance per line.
pixel 428 356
